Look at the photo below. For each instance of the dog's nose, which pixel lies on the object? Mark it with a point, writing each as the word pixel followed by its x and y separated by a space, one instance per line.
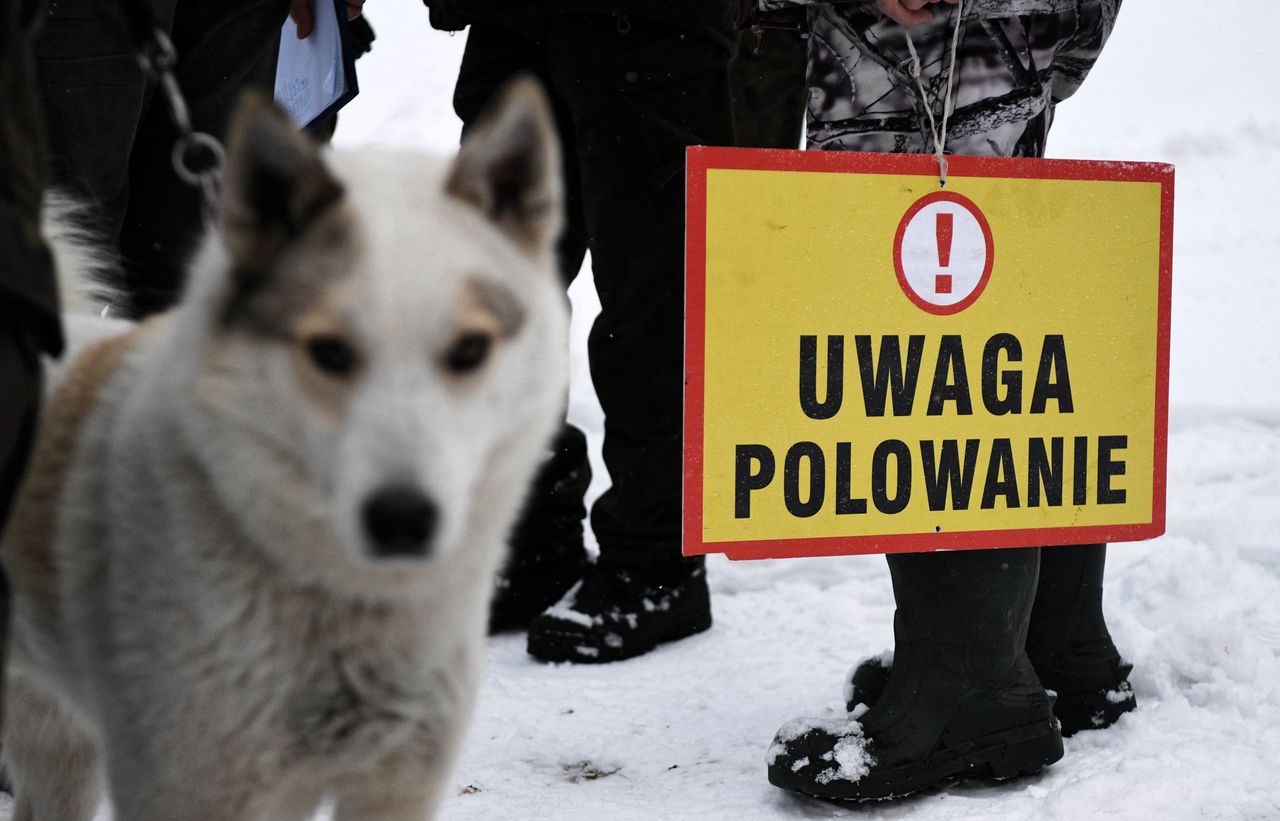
pixel 400 521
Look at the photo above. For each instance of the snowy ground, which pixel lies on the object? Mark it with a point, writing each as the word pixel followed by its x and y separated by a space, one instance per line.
pixel 682 732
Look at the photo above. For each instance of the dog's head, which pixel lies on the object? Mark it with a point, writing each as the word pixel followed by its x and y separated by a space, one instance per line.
pixel 386 338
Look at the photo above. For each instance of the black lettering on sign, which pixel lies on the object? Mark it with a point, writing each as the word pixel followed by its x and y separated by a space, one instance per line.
pixel 950 359
pixel 880 476
pixel 845 503
pixel 791 479
pixel 1044 469
pixel 1053 381
pixel 809 403
pixel 1109 467
pixel 746 480
pixel 945 473
pixel 1080 472
pixel 1011 379
pixel 1002 479
pixel 877 379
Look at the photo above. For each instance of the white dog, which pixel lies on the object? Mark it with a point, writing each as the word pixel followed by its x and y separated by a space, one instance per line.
pixel 253 560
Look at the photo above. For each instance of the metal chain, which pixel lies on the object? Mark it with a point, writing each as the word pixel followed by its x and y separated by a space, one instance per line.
pixel 197 157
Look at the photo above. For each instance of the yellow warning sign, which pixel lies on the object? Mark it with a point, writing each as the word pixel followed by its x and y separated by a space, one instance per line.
pixel 875 364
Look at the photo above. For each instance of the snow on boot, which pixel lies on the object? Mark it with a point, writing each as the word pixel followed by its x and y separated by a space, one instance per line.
pixel 962 699
pixel 617 613
pixel 547 552
pixel 1069 644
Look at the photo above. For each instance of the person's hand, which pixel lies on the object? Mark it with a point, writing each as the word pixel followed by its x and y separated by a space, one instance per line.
pixel 303 14
pixel 909 13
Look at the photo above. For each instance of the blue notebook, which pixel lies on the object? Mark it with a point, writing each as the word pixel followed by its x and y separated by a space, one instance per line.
pixel 317 76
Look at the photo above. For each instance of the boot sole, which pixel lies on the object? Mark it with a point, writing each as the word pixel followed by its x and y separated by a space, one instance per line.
pixel 555 646
pixel 1000 756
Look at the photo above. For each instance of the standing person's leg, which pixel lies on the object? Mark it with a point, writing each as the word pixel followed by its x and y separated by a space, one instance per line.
pixel 767 80
pixel 95 95
pixel 223 49
pixel 912 736
pixel 547 553
pixel 20 383
pixel 29 320
pixel 641 92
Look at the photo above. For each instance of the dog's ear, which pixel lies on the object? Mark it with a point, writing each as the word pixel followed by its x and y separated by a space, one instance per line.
pixel 274 187
pixel 509 167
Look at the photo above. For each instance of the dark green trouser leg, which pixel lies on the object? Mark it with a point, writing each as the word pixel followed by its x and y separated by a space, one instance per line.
pixel 639 95
pixel 111 137
pixel 767 80
pixel 20 387
pixel 547 553
pixel 628 100
pixel 29 319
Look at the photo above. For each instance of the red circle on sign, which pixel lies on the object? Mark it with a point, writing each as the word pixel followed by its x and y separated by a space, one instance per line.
pixel 969 206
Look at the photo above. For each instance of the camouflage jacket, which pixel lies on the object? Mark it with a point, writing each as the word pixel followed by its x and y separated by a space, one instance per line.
pixel 1017 59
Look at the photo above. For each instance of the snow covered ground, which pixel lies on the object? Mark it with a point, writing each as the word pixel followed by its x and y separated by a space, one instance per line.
pixel 682 733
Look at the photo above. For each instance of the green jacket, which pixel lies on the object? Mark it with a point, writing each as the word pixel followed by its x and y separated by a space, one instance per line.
pixel 28 290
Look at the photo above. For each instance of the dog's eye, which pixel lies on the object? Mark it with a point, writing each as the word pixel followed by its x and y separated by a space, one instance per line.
pixel 468 352
pixel 332 355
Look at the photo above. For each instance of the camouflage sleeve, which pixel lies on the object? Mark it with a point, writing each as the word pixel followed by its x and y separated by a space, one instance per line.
pixel 1075 57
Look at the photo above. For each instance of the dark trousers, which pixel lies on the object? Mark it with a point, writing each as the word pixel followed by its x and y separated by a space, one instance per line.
pixel 111 137
pixel 629 96
pixel 19 405
pixel 28 298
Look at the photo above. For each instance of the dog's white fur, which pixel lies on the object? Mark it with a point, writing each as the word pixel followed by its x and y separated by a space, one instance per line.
pixel 200 625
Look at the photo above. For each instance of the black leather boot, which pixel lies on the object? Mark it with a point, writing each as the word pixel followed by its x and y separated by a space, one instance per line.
pixel 961 700
pixel 617 613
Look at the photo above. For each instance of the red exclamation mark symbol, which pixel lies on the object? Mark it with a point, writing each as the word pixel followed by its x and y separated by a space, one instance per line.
pixel 945 222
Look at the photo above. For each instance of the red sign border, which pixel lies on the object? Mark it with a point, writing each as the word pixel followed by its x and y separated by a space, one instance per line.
pixel 968 205
pixel 701 159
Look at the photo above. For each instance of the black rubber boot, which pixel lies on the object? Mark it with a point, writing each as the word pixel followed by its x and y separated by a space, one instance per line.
pixel 547 553
pixel 867 681
pixel 618 613
pixel 1067 641
pixel 962 699
pixel 1069 644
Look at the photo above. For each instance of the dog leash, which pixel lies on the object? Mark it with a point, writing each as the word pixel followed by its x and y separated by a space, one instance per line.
pixel 197 157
